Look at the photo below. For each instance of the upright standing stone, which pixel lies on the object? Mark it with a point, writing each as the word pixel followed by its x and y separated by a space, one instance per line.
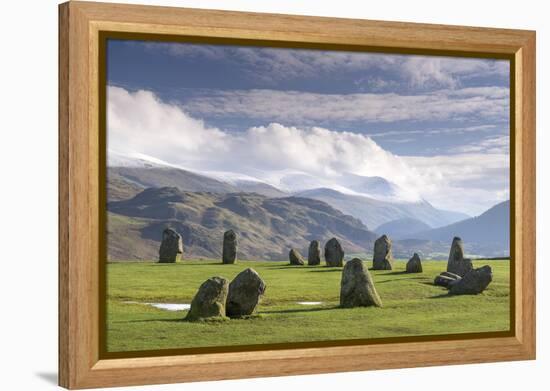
pixel 357 287
pixel 229 254
pixel 457 264
pixel 244 294
pixel 314 253
pixel 209 302
pixel 334 254
pixel 170 247
pixel 383 258
pixel 295 257
pixel 414 265
pixel 473 282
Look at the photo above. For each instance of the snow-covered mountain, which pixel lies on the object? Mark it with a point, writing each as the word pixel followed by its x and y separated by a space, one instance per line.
pixel 373 199
pixel 117 159
pixel 281 182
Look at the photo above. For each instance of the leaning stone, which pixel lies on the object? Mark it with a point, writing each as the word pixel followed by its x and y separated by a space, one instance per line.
pixel 295 257
pixel 314 253
pixel 383 258
pixel 451 275
pixel 209 302
pixel 357 287
pixel 229 252
pixel 444 281
pixel 474 282
pixel 334 254
pixel 457 264
pixel 244 294
pixel 414 265
pixel 170 247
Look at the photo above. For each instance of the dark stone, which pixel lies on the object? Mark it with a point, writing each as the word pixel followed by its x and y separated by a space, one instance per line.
pixel 170 247
pixel 444 281
pixel 457 264
pixel 334 254
pixel 314 253
pixel 357 287
pixel 451 275
pixel 414 265
pixel 473 283
pixel 383 258
pixel 209 301
pixel 244 294
pixel 229 253
pixel 295 258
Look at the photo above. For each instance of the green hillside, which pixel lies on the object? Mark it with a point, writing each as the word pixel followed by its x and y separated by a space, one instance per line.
pixel 266 227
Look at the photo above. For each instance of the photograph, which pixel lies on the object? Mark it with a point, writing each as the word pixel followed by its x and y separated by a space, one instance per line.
pixel 259 197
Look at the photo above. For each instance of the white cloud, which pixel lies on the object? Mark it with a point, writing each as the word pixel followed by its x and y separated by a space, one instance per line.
pixel 274 64
pixel 496 144
pixel 426 71
pixel 490 103
pixel 471 182
pixel 138 122
pixel 432 131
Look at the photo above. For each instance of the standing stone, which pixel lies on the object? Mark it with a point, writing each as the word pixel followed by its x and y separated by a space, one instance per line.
pixel 383 258
pixel 170 247
pixel 357 287
pixel 334 254
pixel 229 254
pixel 295 258
pixel 244 293
pixel 457 264
pixel 473 283
pixel 414 265
pixel 314 253
pixel 209 302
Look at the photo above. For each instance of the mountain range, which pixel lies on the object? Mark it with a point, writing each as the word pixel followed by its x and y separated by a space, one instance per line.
pixel 374 212
pixel 492 226
pixel 387 201
pixel 145 195
pixel 266 227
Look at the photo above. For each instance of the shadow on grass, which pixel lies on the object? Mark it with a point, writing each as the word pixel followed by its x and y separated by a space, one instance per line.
pixel 431 284
pixel 199 321
pixel 327 269
pixel 184 263
pixel 149 320
pixel 290 267
pixel 396 273
pixel 297 310
pixel 441 296
pixel 405 279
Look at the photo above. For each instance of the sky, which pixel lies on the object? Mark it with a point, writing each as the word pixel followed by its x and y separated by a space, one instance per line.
pixel 437 127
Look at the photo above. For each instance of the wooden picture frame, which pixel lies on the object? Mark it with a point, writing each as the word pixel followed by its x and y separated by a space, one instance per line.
pixel 81 25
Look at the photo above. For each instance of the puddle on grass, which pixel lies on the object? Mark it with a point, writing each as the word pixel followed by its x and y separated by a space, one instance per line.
pixel 183 307
pixel 170 306
pixel 164 306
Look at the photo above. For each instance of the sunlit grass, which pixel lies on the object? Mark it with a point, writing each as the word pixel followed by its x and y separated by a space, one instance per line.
pixel 412 305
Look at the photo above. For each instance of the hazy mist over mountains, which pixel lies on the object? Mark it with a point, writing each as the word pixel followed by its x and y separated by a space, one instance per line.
pixel 146 195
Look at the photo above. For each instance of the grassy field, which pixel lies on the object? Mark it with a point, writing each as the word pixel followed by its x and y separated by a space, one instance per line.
pixel 412 305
